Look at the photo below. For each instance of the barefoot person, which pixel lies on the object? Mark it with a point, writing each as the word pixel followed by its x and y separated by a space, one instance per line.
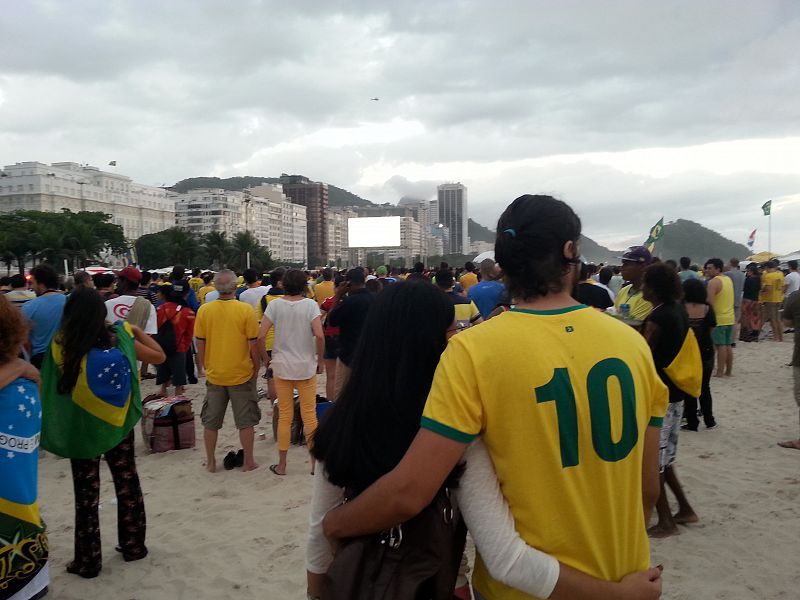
pixel 721 298
pixel 297 358
pixel 665 331
pixel 791 318
pixel 226 332
pixel 545 399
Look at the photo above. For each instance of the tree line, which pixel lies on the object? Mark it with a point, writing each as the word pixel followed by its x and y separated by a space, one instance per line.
pixel 213 250
pixel 80 238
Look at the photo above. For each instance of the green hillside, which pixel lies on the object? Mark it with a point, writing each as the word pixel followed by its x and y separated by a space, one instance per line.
pixel 479 233
pixel 687 238
pixel 336 196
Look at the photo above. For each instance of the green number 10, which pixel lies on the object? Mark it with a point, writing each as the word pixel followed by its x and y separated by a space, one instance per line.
pixel 559 390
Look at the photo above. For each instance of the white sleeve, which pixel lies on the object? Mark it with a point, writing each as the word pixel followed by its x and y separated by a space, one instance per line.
pixel 325 497
pixel 152 322
pixel 490 522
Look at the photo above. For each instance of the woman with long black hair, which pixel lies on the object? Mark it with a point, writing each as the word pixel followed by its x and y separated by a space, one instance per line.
pixel 91 402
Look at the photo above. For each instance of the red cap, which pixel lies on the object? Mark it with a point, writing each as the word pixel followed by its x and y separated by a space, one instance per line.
pixel 130 273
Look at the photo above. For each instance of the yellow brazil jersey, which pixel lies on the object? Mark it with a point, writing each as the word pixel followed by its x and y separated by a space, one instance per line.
pixel 274 293
pixel 562 400
pixel 772 287
pixel 723 302
pixel 465 310
pixel 195 283
pixel 323 290
pixel 203 291
pixel 468 280
pixel 640 307
pixel 227 326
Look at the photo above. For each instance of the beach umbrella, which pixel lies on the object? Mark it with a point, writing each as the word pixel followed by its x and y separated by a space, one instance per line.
pixel 762 257
pixel 483 256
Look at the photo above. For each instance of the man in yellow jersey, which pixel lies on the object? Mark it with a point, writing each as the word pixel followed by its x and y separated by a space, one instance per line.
pixel 208 281
pixel 325 288
pixel 634 262
pixel 720 297
pixel 469 278
pixel 196 282
pixel 467 314
pixel 226 332
pixel 572 425
pixel 771 297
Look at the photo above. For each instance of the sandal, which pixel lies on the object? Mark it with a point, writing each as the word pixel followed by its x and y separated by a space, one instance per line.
pixel 229 462
pixel 274 469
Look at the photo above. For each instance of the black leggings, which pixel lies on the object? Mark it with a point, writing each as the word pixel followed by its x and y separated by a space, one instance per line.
pixel 690 404
pixel 131 520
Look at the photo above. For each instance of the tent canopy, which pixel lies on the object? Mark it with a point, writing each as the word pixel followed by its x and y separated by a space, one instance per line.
pixel 483 256
pixel 762 257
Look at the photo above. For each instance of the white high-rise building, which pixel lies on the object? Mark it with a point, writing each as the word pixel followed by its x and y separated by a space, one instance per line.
pixel 452 212
pixel 205 210
pixel 339 253
pixel 264 210
pixel 139 209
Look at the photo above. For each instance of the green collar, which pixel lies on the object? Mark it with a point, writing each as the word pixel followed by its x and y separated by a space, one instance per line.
pixel 552 311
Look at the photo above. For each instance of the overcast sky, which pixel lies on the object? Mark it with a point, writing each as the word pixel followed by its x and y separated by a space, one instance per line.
pixel 629 111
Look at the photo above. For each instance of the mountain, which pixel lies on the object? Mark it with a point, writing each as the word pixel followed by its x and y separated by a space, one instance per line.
pixel 593 252
pixel 687 238
pixel 479 233
pixel 336 195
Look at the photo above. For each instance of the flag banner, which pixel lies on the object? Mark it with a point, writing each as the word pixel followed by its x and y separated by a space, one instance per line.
pixel 767 208
pixel 656 233
pixel 23 543
pixel 103 407
pixel 752 239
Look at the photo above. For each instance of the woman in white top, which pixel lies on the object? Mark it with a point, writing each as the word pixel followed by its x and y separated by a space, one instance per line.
pixel 372 424
pixel 297 358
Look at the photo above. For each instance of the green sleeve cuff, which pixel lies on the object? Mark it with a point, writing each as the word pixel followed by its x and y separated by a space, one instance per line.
pixel 656 422
pixel 446 431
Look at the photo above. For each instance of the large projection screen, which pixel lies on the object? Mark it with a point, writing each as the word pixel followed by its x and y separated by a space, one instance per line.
pixel 373 232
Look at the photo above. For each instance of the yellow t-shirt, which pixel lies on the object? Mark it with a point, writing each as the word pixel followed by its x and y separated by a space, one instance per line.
pixel 468 280
pixel 203 291
pixel 772 287
pixel 323 290
pixel 723 302
pixel 640 307
pixel 561 399
pixel 195 283
pixel 227 326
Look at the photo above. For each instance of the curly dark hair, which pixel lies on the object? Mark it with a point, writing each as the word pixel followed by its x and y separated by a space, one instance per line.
pixel 15 330
pixel 531 234
pixel 664 282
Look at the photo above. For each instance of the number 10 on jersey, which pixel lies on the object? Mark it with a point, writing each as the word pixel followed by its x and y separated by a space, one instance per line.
pixel 560 391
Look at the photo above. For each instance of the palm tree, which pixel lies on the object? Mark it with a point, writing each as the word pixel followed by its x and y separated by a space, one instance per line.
pixel 217 248
pixel 245 243
pixel 81 242
pixel 49 240
pixel 182 246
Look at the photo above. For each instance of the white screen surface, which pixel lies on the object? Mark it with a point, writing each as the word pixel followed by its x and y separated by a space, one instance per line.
pixel 373 232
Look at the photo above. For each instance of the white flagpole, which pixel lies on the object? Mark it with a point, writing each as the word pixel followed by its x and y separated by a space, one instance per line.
pixel 769 235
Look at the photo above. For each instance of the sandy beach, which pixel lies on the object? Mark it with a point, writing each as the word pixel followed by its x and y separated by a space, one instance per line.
pixel 242 535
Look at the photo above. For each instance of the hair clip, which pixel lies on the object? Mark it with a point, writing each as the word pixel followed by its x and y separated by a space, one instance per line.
pixel 510 232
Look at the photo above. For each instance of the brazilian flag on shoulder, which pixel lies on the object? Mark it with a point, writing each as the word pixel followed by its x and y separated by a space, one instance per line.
pixel 103 407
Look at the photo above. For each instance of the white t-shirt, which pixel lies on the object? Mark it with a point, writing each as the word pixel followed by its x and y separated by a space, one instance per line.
pixel 253 296
pixel 294 353
pixel 792 282
pixel 119 307
pixel 211 296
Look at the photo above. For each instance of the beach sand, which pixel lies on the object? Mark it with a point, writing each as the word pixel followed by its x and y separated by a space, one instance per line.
pixel 243 535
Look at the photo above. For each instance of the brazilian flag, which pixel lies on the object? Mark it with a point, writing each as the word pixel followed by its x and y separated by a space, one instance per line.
pixel 656 233
pixel 103 407
pixel 686 369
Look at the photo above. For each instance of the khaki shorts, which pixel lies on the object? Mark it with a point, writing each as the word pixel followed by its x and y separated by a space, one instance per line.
pixel 769 312
pixel 244 402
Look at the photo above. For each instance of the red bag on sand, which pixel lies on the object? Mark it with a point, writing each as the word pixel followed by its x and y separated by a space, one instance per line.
pixel 168 424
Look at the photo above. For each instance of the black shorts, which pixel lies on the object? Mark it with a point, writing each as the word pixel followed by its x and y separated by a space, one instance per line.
pixel 331 347
pixel 173 369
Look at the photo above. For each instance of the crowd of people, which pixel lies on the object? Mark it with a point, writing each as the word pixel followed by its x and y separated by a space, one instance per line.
pixel 471 399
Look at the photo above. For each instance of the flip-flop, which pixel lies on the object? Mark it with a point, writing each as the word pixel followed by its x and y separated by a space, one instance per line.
pixel 229 462
pixel 274 469
pixel 793 444
pixel 240 458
